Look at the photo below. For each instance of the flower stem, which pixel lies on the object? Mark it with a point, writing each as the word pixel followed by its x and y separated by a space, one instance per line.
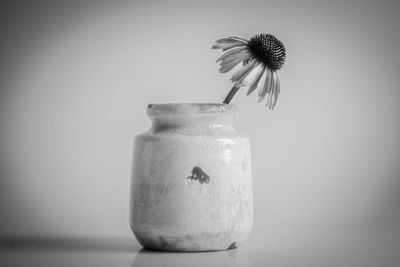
pixel 231 93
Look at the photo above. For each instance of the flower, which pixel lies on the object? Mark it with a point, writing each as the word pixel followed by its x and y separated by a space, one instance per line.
pixel 262 56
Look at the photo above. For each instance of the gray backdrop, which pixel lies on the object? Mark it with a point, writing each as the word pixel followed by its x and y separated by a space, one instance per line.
pixel 75 79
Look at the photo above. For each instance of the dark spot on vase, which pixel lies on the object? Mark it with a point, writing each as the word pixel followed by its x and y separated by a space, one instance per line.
pixel 199 175
pixel 232 246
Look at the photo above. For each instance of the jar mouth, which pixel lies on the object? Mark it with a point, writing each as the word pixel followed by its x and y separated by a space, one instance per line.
pixel 157 109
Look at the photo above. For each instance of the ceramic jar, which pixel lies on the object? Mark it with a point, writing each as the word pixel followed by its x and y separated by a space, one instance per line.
pixel 191 187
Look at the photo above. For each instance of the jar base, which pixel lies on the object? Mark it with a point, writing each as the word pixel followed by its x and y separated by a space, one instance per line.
pixel 185 244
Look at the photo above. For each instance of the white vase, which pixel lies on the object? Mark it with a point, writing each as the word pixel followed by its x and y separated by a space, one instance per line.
pixel 191 187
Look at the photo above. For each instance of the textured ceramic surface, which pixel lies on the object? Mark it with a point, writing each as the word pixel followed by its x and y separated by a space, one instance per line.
pixel 191 187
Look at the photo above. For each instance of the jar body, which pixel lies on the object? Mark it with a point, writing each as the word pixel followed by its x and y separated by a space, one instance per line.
pixel 191 187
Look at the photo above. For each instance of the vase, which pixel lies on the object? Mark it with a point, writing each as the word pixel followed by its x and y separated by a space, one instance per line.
pixel 191 185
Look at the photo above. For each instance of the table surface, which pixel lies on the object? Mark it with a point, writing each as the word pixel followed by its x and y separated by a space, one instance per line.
pixel 314 248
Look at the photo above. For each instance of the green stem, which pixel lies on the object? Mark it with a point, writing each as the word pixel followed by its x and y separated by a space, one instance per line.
pixel 230 95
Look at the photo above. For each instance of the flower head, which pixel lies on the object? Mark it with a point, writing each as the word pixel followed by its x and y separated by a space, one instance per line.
pixel 262 56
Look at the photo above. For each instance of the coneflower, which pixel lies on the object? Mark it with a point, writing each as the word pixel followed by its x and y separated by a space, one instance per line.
pixel 262 56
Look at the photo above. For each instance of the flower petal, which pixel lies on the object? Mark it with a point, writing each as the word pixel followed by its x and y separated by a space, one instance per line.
pixel 244 55
pixel 276 91
pixel 265 87
pixel 239 39
pixel 254 85
pixel 231 52
pixel 248 73
pixel 271 94
pixel 253 75
pixel 227 65
pixel 231 40
pixel 226 46
pixel 241 73
pixel 233 46
pixel 261 83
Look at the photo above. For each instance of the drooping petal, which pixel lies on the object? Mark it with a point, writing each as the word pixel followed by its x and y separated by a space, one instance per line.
pixel 248 73
pixel 261 82
pixel 265 86
pixel 253 75
pixel 255 83
pixel 272 82
pixel 233 46
pixel 239 39
pixel 226 46
pixel 276 91
pixel 244 55
pixel 220 45
pixel 233 56
pixel 241 73
pixel 232 40
pixel 231 52
pixel 227 65
pixel 271 93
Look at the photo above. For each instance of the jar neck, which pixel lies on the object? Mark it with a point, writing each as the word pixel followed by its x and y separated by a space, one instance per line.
pixel 191 118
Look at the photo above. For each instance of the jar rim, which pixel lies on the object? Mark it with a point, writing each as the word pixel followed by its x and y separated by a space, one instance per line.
pixel 156 109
